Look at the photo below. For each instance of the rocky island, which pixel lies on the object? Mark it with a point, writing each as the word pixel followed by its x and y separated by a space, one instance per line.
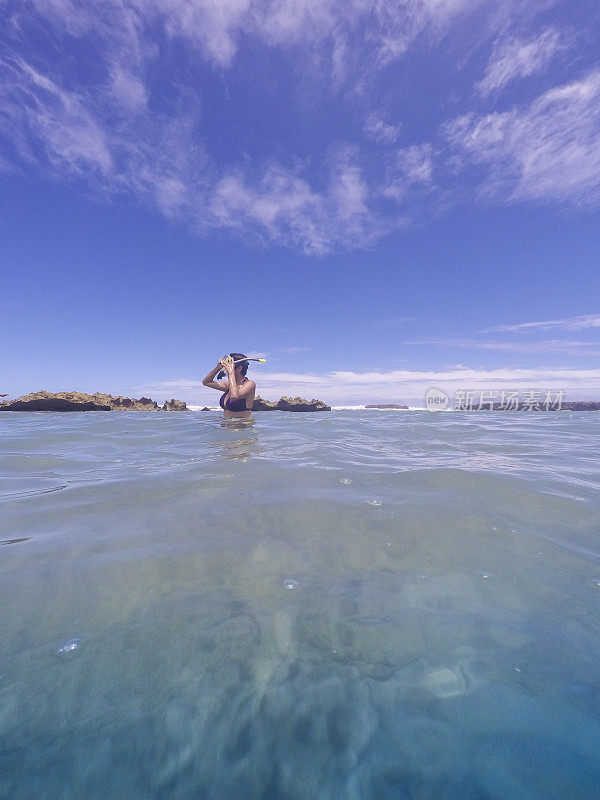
pixel 79 401
pixel 566 405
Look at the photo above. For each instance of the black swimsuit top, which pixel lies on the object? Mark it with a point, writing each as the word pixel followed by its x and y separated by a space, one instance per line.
pixel 233 405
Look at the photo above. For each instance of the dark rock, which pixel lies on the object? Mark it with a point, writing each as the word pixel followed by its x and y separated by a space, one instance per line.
pixel 174 405
pixel 288 404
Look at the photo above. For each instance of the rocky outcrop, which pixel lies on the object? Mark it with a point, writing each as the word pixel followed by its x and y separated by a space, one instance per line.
pixel 79 401
pixel 289 404
pixel 126 403
pixel 61 401
pixel 174 405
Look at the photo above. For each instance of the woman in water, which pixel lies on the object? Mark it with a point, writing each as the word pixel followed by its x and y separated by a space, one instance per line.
pixel 238 390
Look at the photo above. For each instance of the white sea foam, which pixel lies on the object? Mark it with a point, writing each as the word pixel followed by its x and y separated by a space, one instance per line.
pixel 365 408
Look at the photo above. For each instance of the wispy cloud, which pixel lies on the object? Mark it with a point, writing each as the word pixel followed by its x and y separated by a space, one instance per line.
pixel 410 167
pixel 380 131
pixel 323 27
pixel 123 119
pixel 569 324
pixel 548 151
pixel 545 346
pixel 295 349
pixel 519 58
pixel 71 135
pixel 159 160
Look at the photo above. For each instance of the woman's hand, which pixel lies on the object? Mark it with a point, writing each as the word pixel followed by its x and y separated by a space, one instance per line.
pixel 227 363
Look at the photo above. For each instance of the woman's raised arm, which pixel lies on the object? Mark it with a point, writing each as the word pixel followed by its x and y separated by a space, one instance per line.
pixel 209 381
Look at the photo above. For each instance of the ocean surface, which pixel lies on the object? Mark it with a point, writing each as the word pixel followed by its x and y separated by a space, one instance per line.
pixel 351 604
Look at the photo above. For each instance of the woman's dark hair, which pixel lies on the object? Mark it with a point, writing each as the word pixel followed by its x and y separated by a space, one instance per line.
pixel 243 366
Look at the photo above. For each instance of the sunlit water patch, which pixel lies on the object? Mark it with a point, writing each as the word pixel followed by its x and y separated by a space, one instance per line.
pixel 345 605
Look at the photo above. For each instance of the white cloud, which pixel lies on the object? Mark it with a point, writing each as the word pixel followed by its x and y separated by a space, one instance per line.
pixel 415 163
pixel 548 151
pixel 569 324
pixel 384 28
pixel 392 386
pixel 128 89
pixel 283 208
pixel 295 349
pixel 411 167
pixel 518 58
pixel 380 131
pixel 214 25
pixel 399 22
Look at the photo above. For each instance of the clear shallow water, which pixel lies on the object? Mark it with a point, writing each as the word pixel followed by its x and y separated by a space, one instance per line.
pixel 347 605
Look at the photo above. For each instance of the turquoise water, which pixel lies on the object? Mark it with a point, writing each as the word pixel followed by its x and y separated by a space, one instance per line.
pixel 348 605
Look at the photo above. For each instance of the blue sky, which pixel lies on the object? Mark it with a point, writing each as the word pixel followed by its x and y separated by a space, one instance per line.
pixel 377 196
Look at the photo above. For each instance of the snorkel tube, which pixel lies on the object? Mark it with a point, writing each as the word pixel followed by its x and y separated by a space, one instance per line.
pixel 240 361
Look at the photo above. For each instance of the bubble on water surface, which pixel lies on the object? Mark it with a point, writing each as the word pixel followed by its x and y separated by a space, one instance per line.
pixel 346 481
pixel 374 502
pixel 290 584
pixel 69 649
